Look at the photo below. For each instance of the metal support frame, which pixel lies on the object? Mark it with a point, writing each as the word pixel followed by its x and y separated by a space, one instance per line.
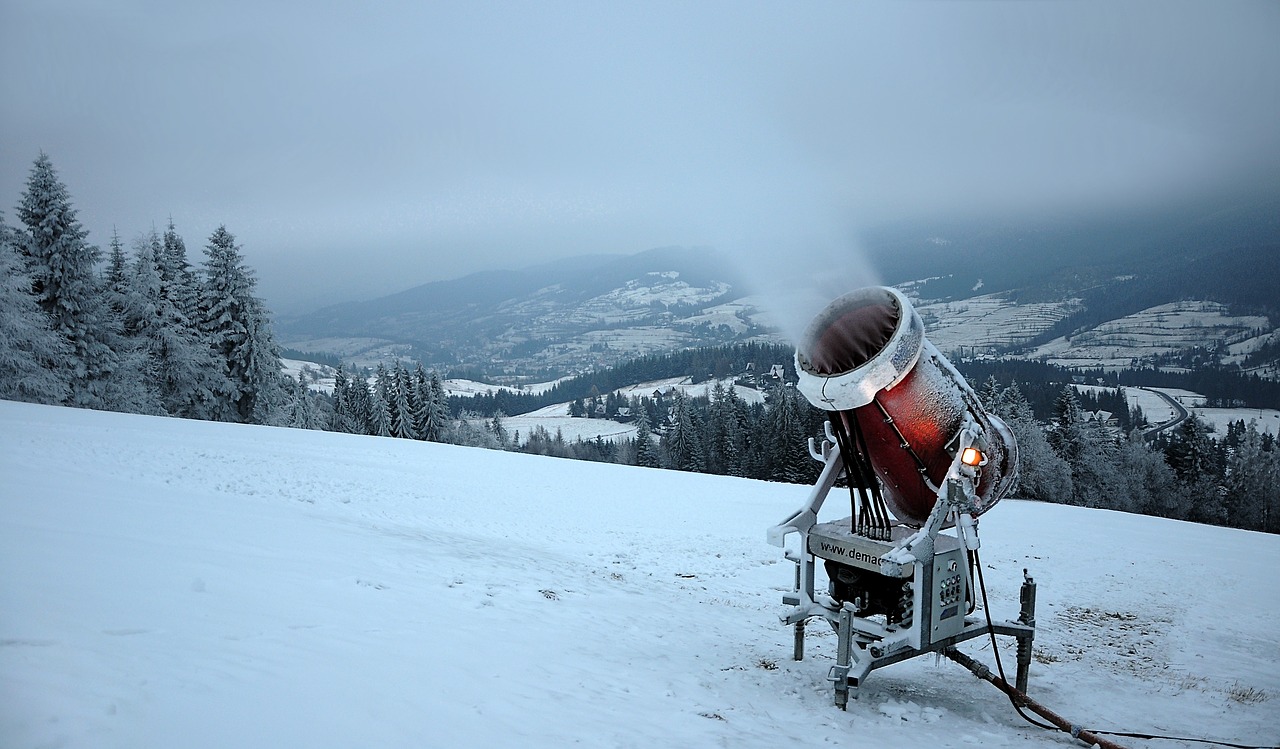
pixel 864 645
pixel 857 655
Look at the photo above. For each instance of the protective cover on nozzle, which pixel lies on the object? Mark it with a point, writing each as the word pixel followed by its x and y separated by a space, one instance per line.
pixel 862 343
pixel 866 359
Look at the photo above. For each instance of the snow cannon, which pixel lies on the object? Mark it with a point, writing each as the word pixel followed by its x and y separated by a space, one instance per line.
pixel 919 455
pixel 902 405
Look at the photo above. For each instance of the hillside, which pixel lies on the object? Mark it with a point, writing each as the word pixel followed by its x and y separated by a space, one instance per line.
pixel 1183 289
pixel 557 316
pixel 176 583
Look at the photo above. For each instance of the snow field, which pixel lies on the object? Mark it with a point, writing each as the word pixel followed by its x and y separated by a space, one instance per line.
pixel 1264 419
pixel 686 385
pixel 989 321
pixel 1164 329
pixel 176 583
pixel 556 418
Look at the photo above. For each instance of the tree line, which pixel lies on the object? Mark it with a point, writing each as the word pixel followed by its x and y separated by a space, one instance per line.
pixel 151 334
pixel 147 332
pixel 700 364
pixel 1187 474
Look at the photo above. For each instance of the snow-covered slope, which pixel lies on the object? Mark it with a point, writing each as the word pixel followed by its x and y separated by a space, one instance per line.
pixel 166 583
pixel 1159 331
pixel 556 419
pixel 989 322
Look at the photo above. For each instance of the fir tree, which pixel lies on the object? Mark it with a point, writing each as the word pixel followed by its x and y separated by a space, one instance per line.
pixel 787 438
pixel 117 274
pixel 181 370
pixel 180 283
pixel 379 413
pixel 435 425
pixel 360 405
pixel 1150 486
pixel 61 265
pixel 682 442
pixel 422 403
pixel 402 425
pixel 303 412
pixel 716 437
pixel 31 353
pixel 236 325
pixel 646 454
pixel 342 419
pixel 1192 455
pixel 499 431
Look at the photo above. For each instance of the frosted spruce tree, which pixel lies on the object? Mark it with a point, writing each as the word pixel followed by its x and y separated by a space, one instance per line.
pixel 61 263
pixel 682 442
pixel 235 324
pixel 340 420
pixel 31 354
pixel 181 368
pixel 400 403
pixel 421 402
pixel 787 438
pixel 303 412
pixel 379 413
pixel 180 283
pixel 358 404
pixel 434 418
pixel 117 279
pixel 1042 474
pixel 646 452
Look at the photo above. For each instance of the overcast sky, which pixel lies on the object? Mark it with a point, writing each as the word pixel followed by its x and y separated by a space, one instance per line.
pixel 363 148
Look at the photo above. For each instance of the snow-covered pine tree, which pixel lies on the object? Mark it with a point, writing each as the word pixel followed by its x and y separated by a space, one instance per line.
pixel 382 381
pixel 1195 460
pixel 1042 474
pixel 1252 483
pixel 117 279
pixel 735 436
pixel 302 411
pixel 498 429
pixel 990 393
pixel 182 370
pixel 402 425
pixel 379 413
pixel 682 442
pixel 360 404
pixel 180 282
pixel 273 391
pixel 436 425
pixel 786 438
pixel 421 402
pixel 31 353
pixel 1067 436
pixel 1149 486
pixel 646 452
pixel 340 420
pixel 62 263
pixel 715 437
pixel 237 327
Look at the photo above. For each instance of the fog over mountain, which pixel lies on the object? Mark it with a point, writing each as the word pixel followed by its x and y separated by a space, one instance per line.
pixel 357 152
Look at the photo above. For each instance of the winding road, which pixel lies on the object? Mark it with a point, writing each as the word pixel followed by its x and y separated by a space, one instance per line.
pixel 1180 415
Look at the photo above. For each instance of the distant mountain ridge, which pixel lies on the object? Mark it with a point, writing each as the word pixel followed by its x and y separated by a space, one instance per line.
pixel 1065 291
pixel 565 314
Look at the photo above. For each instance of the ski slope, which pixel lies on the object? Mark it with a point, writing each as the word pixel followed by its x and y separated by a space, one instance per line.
pixel 169 583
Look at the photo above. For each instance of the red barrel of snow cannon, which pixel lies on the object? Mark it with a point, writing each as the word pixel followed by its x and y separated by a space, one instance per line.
pixel 865 358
